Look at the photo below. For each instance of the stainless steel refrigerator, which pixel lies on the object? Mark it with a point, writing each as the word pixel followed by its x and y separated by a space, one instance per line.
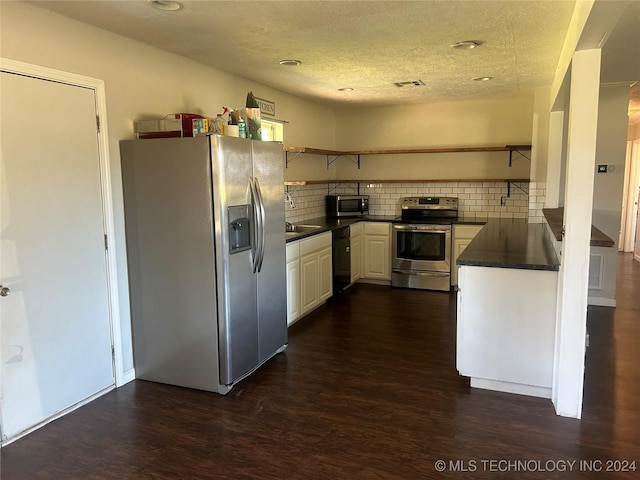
pixel 204 221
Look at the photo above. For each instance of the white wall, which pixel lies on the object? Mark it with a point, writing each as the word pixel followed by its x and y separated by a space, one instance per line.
pixel 141 81
pixel 540 135
pixel 607 188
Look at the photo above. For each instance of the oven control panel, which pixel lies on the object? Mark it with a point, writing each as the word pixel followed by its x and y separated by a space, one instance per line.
pixel 430 203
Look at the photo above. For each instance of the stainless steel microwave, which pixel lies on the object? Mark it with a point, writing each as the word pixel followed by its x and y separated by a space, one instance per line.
pixel 347 205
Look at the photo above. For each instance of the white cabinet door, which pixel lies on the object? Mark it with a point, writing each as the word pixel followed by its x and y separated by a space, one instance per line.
pixel 309 278
pixel 458 247
pixel 356 258
pixel 325 268
pixel 293 291
pixel 377 255
pixel 462 236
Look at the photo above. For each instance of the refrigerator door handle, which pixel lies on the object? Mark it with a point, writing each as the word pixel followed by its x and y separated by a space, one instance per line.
pixel 255 247
pixel 262 231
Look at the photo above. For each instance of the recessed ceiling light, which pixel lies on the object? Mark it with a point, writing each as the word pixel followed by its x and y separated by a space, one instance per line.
pixel 291 63
pixel 482 79
pixel 166 5
pixel 345 89
pixel 466 44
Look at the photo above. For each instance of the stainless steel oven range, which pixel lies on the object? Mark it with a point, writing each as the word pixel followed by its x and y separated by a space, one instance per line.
pixel 421 256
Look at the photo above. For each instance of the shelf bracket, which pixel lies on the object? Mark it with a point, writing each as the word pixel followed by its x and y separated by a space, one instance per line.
pixel 337 184
pixel 355 160
pixel 288 158
pixel 509 183
pixel 330 160
pixel 517 151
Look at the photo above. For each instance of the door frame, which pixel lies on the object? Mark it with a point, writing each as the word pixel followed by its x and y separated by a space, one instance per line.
pixel 97 85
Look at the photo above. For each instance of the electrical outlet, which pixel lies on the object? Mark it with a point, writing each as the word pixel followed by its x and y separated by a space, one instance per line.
pixel 503 201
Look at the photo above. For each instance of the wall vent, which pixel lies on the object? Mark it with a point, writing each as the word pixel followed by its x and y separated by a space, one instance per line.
pixel 596 271
pixel 411 83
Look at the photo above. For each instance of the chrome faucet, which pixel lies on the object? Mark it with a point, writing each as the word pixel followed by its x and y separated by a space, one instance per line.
pixel 288 227
pixel 289 198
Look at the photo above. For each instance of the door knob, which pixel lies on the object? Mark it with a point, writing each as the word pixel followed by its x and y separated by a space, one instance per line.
pixel 4 291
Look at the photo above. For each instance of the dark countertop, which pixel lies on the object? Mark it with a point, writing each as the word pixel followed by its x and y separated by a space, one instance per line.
pixel 555 218
pixel 514 243
pixel 327 224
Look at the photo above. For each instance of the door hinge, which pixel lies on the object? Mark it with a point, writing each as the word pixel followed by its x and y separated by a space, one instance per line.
pixel 106 243
pixel 98 122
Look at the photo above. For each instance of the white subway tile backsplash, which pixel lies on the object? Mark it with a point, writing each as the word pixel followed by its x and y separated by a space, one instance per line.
pixel 477 200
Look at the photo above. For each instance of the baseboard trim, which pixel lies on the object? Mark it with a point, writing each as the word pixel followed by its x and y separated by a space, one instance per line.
pixel 6 441
pixel 128 376
pixel 510 387
pixel 601 301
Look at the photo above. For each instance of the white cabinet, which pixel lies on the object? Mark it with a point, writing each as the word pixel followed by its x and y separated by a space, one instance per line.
pixel 506 328
pixel 309 275
pixel 462 236
pixel 309 282
pixel 376 258
pixel 356 251
pixel 293 282
pixel 325 274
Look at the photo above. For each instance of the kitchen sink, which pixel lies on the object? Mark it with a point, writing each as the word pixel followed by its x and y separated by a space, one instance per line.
pixel 292 230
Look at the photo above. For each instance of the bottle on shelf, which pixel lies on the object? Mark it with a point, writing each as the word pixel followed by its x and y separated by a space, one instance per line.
pixel 219 125
pixel 232 127
pixel 242 128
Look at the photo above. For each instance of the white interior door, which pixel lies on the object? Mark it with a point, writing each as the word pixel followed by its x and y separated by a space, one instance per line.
pixel 636 252
pixel 56 346
pixel 631 210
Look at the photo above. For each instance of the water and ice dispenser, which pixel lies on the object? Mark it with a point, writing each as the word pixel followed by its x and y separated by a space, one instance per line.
pixel 239 228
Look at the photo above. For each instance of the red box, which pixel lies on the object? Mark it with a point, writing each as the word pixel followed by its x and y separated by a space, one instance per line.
pixel 187 122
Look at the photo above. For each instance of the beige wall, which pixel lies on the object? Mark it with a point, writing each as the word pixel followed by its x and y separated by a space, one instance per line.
pixel 487 122
pixel 141 81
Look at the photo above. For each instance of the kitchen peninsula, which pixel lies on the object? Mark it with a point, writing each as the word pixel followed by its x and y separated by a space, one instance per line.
pixel 507 296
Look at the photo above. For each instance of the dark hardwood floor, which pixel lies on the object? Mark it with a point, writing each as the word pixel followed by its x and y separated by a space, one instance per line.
pixel 366 390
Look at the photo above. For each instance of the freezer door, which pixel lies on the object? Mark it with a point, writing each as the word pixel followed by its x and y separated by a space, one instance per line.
pixel 237 301
pixel 268 172
pixel 172 275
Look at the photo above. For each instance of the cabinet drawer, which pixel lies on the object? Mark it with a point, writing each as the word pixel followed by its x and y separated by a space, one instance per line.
pixel 293 250
pixel 314 243
pixel 377 228
pixel 466 231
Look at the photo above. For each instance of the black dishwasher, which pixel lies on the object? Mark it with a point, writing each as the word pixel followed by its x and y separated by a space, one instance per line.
pixel 341 259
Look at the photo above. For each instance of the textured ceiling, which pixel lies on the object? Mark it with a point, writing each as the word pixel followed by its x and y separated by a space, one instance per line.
pixel 364 45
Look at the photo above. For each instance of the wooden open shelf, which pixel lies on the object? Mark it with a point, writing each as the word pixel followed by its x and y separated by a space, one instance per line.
pixel 356 154
pixel 323 182
pixel 320 151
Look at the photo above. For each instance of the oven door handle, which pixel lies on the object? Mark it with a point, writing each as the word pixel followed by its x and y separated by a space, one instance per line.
pixel 423 228
pixel 421 273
